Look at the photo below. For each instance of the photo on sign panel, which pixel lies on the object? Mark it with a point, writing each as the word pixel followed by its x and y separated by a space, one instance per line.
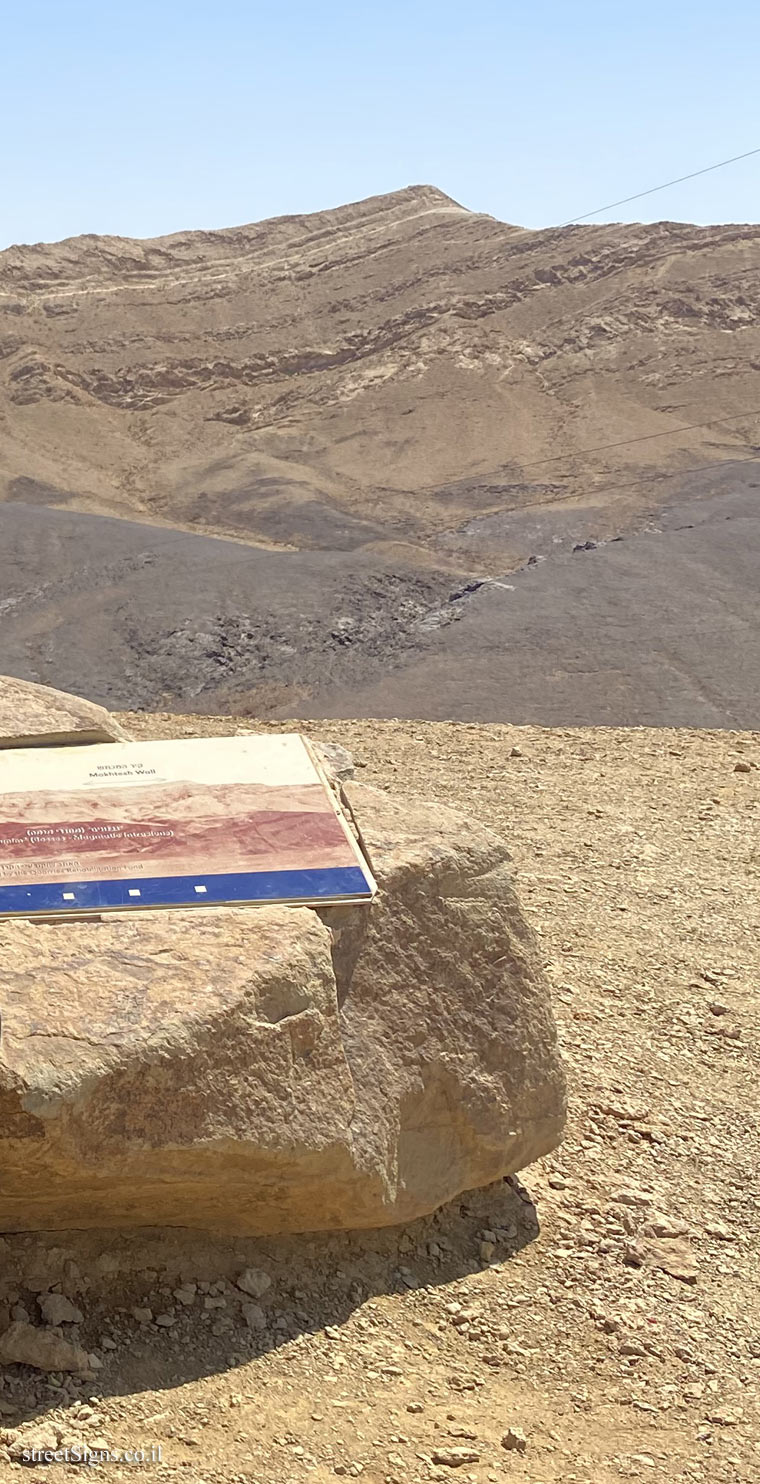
pixel 168 824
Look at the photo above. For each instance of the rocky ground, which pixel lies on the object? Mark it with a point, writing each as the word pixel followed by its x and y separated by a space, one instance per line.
pixel 598 1319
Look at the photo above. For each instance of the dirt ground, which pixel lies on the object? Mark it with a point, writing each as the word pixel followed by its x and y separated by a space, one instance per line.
pixel 597 1319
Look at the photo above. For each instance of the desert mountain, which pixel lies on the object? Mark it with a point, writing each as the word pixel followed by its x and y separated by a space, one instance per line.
pixel 384 403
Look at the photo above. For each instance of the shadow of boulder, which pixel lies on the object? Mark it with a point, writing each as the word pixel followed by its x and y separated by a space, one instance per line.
pixel 164 1307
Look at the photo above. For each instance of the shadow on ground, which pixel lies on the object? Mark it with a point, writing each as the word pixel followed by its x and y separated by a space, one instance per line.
pixel 316 1281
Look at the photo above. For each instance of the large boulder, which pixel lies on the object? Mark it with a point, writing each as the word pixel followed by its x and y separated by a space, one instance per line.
pixel 35 715
pixel 257 1070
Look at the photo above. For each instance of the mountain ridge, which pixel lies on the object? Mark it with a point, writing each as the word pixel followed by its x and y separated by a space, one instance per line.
pixel 13 257
pixel 293 350
pixel 383 403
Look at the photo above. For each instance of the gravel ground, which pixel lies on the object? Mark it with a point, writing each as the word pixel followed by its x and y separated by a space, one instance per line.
pixel 597 1319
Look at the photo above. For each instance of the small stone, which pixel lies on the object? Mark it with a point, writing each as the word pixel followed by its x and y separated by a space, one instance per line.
pixel 671 1255
pixel 486 1250
pixel 454 1458
pixel 664 1226
pixel 557 1182
pixel 23 1344
pixel 37 1443
pixel 213 1301
pixel 165 1321
pixel 726 1417
pixel 631 1195
pixel 107 1263
pixel 408 1278
pixel 186 1294
pixel 254 1281
pixel 721 1232
pixel 415 1407
pixel 695 1391
pixel 742 766
pixel 143 1316
pixel 107 1343
pixel 57 1309
pixel 514 1440
pixel 254 1316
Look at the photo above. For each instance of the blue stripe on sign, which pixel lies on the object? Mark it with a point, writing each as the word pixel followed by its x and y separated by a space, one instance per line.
pixel 183 891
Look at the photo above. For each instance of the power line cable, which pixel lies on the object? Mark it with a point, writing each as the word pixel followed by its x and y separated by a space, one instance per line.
pixel 664 187
pixel 668 432
pixel 647 479
pixel 668 474
pixel 643 438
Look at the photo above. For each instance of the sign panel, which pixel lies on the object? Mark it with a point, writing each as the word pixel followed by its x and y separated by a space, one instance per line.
pixel 172 824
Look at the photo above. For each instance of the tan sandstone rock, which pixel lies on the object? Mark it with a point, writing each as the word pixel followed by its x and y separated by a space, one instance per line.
pixel 24 1344
pixel 36 715
pixel 282 1069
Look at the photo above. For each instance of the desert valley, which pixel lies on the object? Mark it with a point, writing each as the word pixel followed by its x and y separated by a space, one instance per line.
pixel 394 459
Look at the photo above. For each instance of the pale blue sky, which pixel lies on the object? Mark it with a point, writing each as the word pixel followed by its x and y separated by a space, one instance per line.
pixel 152 116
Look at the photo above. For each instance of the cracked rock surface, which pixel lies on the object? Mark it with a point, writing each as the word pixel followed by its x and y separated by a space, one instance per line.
pixel 272 1069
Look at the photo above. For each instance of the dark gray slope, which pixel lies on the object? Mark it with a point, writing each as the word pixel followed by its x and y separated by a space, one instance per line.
pixel 139 616
pixel 659 628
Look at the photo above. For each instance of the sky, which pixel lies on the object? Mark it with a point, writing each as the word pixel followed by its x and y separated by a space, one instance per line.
pixel 157 116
